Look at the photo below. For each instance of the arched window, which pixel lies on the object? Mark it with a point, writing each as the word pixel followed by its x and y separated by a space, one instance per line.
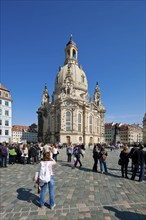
pixel 68 121
pixel 74 54
pixel 79 122
pixel 68 54
pixel 68 91
pixel 90 124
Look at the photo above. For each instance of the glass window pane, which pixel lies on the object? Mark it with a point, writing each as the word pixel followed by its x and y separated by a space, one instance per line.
pixel 6 103
pixel 6 132
pixel 67 121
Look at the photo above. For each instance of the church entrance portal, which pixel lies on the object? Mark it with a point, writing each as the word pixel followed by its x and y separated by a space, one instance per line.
pixel 91 140
pixel 68 139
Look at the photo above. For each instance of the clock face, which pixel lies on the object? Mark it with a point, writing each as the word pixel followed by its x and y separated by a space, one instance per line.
pixel 67 102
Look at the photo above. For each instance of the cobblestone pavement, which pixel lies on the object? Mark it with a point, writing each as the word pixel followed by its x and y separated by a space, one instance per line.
pixel 79 193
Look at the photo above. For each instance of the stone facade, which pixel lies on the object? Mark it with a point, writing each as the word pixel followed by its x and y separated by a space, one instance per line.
pixel 71 117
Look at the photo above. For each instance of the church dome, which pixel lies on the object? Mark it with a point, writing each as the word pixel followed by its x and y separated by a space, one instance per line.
pixel 78 76
pixel 72 69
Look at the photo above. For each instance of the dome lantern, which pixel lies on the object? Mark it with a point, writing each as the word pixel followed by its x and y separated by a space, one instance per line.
pixel 71 52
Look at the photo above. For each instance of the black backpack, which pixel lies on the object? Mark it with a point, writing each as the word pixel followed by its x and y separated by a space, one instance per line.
pixel 4 151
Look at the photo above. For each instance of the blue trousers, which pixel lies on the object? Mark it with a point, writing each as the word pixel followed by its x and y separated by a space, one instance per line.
pixel 103 163
pixel 3 161
pixel 50 186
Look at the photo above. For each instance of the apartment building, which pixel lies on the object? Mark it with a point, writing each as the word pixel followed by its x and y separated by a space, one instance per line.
pixel 25 134
pixel 127 133
pixel 109 132
pixel 5 115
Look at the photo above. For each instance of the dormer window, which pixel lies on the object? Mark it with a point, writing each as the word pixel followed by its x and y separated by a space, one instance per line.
pixel 6 95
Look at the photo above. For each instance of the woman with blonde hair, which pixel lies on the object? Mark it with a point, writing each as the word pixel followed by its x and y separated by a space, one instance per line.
pixel 46 178
pixel 124 155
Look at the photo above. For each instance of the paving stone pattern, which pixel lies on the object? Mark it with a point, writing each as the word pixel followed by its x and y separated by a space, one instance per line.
pixel 79 193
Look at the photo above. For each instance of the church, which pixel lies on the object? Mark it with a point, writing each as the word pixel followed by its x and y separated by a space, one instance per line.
pixel 71 116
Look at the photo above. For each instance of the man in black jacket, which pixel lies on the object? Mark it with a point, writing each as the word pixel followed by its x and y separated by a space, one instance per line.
pixel 139 158
pixel 132 156
pixel 142 160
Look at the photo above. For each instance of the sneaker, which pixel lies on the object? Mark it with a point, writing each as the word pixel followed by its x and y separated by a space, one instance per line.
pixel 41 207
pixel 52 208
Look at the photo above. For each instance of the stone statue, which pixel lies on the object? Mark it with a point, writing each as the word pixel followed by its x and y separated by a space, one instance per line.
pixel 45 97
pixel 116 129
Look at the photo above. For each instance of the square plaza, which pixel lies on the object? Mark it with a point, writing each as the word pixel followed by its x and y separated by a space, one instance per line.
pixel 79 193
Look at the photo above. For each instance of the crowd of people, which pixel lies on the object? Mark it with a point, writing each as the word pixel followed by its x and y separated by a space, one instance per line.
pixel 45 155
pixel 138 160
pixel 24 153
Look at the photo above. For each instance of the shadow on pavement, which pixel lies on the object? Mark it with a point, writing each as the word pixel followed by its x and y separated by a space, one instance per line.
pixel 25 194
pixel 126 215
pixel 85 169
pixel 113 175
pixel 114 169
pixel 60 161
pixel 78 167
pixel 66 165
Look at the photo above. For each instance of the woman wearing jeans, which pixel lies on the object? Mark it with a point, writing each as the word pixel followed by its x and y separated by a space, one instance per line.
pixel 102 159
pixel 48 163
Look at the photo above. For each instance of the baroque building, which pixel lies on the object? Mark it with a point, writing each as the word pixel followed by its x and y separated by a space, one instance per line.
pixel 71 117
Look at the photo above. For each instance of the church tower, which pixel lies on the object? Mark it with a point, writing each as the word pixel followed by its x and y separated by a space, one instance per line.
pixel 45 97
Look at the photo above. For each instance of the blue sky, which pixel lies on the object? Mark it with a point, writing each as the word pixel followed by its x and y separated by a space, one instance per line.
pixel 110 36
